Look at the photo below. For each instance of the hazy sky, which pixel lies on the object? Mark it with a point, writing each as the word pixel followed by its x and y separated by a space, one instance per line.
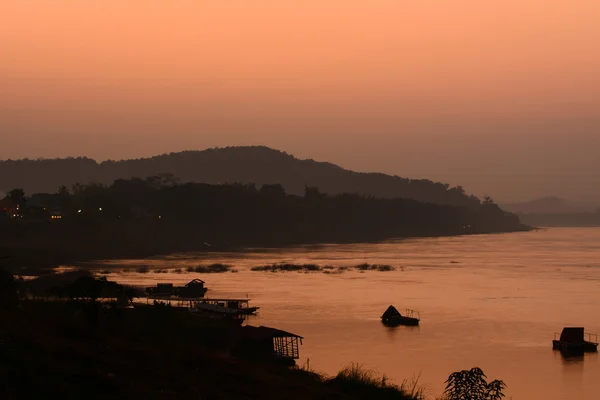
pixel 500 96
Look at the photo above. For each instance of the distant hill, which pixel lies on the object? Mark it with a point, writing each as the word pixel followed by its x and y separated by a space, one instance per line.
pixel 546 205
pixel 586 219
pixel 258 165
pixel 554 211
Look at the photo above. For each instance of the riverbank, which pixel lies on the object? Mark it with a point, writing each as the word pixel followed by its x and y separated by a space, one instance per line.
pixel 140 218
pixel 37 248
pixel 78 350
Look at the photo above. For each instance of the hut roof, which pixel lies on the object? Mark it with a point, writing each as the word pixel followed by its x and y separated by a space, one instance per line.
pixel 391 312
pixel 195 282
pixel 572 334
pixel 264 332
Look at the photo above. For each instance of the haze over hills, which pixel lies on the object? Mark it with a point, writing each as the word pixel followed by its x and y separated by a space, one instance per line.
pixel 554 211
pixel 548 205
pixel 257 165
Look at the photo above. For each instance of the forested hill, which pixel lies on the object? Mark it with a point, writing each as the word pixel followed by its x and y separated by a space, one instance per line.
pixel 258 165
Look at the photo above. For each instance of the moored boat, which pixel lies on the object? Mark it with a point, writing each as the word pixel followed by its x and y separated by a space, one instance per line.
pixel 229 307
pixel 572 340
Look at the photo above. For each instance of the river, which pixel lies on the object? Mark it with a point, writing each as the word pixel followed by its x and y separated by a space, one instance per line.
pixel 492 301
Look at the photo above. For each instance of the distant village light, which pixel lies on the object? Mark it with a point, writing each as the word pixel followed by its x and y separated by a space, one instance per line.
pixel 100 209
pixel 79 211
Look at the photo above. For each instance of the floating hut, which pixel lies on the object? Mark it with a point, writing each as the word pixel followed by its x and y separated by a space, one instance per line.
pixel 392 317
pixel 193 288
pixel 572 340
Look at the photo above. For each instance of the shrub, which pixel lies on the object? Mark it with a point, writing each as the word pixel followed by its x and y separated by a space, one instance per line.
pixel 472 385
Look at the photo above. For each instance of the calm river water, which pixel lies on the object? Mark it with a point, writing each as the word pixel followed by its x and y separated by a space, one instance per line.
pixel 492 301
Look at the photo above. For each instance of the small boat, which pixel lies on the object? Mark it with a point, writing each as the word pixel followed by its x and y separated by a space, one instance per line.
pixel 392 317
pixel 228 307
pixel 573 341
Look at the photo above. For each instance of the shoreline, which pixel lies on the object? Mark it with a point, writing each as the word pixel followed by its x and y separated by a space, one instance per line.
pixel 35 261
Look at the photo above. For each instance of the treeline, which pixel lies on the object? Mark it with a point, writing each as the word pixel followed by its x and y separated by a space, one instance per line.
pixel 259 165
pixel 156 215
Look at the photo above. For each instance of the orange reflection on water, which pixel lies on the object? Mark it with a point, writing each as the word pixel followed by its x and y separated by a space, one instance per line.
pixel 492 301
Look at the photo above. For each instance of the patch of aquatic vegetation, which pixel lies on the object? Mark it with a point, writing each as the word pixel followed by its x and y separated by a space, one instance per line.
pixel 160 271
pixel 210 269
pixel 282 267
pixel 200 269
pixel 142 269
pixel 328 269
pixel 288 268
pixel 374 267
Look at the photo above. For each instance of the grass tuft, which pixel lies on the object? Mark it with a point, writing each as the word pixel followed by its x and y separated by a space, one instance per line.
pixel 366 383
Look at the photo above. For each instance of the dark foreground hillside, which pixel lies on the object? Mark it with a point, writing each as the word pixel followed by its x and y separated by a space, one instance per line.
pixel 136 218
pixel 78 350
pixel 248 165
pixel 75 336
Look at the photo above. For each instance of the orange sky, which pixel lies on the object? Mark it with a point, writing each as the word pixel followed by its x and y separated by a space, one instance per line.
pixel 483 93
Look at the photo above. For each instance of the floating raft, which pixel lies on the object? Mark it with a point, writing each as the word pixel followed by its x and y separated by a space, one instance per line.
pixel 392 317
pixel 572 340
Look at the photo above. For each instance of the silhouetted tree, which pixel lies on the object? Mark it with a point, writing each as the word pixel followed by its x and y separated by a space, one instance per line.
pixel 63 191
pixel 313 193
pixel 78 189
pixel 17 196
pixel 488 200
pixel 161 181
pixel 275 190
pixel 472 385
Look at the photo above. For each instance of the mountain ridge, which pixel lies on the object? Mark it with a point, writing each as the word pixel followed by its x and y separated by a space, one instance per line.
pixel 257 165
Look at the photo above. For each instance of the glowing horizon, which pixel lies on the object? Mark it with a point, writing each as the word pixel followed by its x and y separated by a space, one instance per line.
pixel 432 89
